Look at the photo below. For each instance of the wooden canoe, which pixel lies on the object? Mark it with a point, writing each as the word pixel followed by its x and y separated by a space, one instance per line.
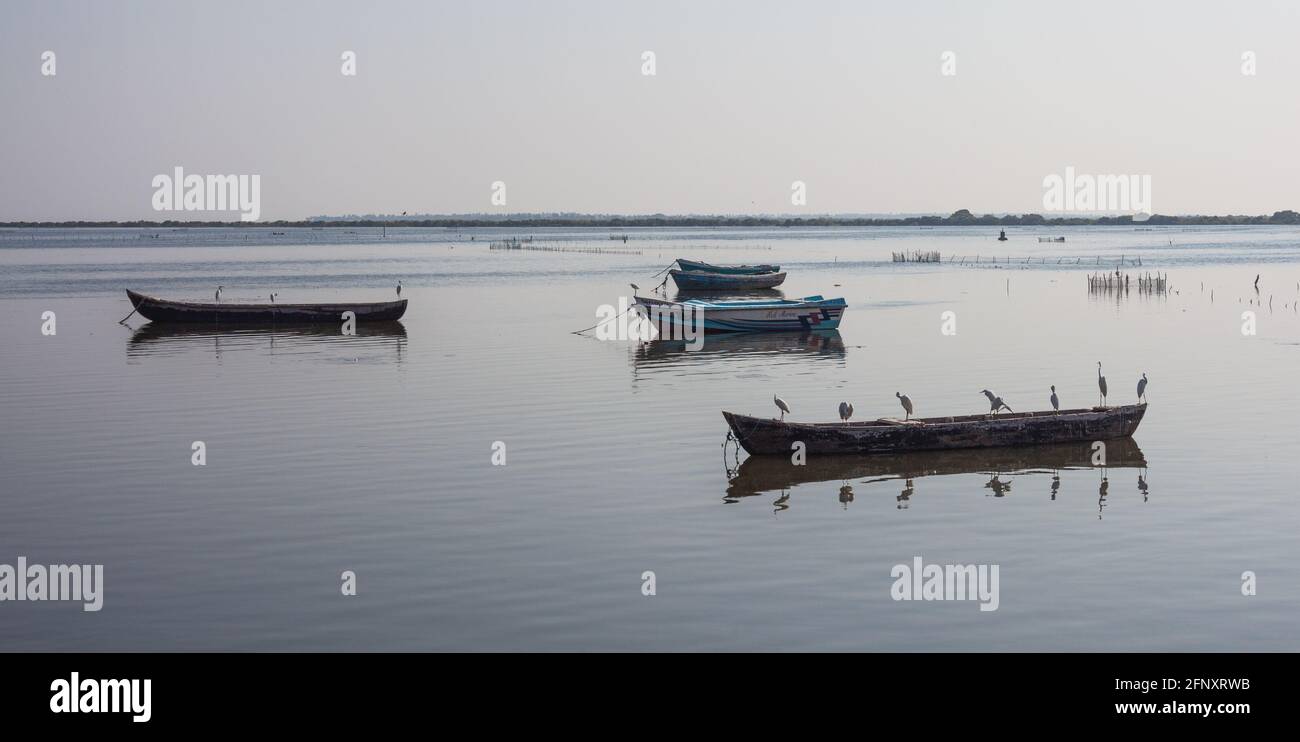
pixel 696 266
pixel 759 435
pixel 694 281
pixel 162 310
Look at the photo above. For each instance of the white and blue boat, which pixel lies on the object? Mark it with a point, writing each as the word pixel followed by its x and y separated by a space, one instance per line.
pixel 694 281
pixel 763 315
pixel 695 266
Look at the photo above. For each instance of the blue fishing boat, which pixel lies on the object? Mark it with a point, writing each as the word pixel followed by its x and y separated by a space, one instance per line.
pixel 691 281
pixel 765 315
pixel 694 266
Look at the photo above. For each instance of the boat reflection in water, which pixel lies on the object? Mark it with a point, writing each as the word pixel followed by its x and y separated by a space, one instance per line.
pixel 739 295
pixel 759 475
pixel 373 341
pixel 720 347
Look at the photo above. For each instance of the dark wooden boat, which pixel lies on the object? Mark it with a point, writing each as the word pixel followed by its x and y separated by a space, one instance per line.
pixel 697 266
pixel 162 310
pixel 695 281
pixel 759 435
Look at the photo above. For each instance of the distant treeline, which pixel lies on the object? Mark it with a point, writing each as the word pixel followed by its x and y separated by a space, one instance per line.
pixel 958 218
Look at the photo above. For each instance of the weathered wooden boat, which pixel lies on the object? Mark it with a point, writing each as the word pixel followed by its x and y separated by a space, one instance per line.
pixel 693 281
pixel 776 315
pixel 759 435
pixel 234 313
pixel 757 475
pixel 695 266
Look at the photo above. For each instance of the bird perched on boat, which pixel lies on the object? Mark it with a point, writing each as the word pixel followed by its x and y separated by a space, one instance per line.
pixel 1142 387
pixel 217 296
pixel 781 405
pixel 272 298
pixel 846 411
pixel 906 401
pixel 1101 384
pixel 399 289
pixel 995 402
pixel 1056 403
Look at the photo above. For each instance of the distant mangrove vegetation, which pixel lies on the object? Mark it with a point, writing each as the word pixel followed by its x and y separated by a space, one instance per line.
pixel 962 217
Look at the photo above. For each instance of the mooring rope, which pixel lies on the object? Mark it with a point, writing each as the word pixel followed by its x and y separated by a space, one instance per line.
pixel 133 311
pixel 665 270
pixel 605 322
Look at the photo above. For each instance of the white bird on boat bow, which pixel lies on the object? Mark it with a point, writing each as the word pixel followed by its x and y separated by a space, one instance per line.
pixel 906 401
pixel 781 405
pixel 995 402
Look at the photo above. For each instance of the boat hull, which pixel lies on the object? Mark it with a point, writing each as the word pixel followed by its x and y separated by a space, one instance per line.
pixel 162 310
pixel 694 266
pixel 691 281
pixel 761 316
pixel 762 436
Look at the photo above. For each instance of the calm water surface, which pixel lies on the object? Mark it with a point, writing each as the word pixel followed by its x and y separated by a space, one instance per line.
pixel 373 453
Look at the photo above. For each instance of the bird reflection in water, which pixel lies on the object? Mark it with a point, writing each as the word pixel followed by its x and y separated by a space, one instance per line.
pixel 758 475
pixel 1102 490
pixel 905 497
pixel 999 487
pixel 781 503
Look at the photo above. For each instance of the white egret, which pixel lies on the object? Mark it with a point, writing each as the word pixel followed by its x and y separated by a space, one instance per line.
pixel 1056 403
pixel 1101 384
pixel 399 289
pixel 217 296
pixel 846 411
pixel 781 405
pixel 1142 387
pixel 906 401
pixel 995 402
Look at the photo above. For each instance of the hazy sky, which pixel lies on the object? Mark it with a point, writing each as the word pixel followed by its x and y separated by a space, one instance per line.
pixel 549 98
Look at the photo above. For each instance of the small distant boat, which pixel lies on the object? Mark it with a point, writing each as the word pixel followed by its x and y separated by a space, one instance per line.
pixel 760 435
pixel 766 315
pixel 692 281
pixel 163 310
pixel 1003 236
pixel 1051 239
pixel 695 266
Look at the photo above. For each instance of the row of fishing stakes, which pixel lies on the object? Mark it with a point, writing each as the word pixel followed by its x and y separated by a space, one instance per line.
pixel 996 403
